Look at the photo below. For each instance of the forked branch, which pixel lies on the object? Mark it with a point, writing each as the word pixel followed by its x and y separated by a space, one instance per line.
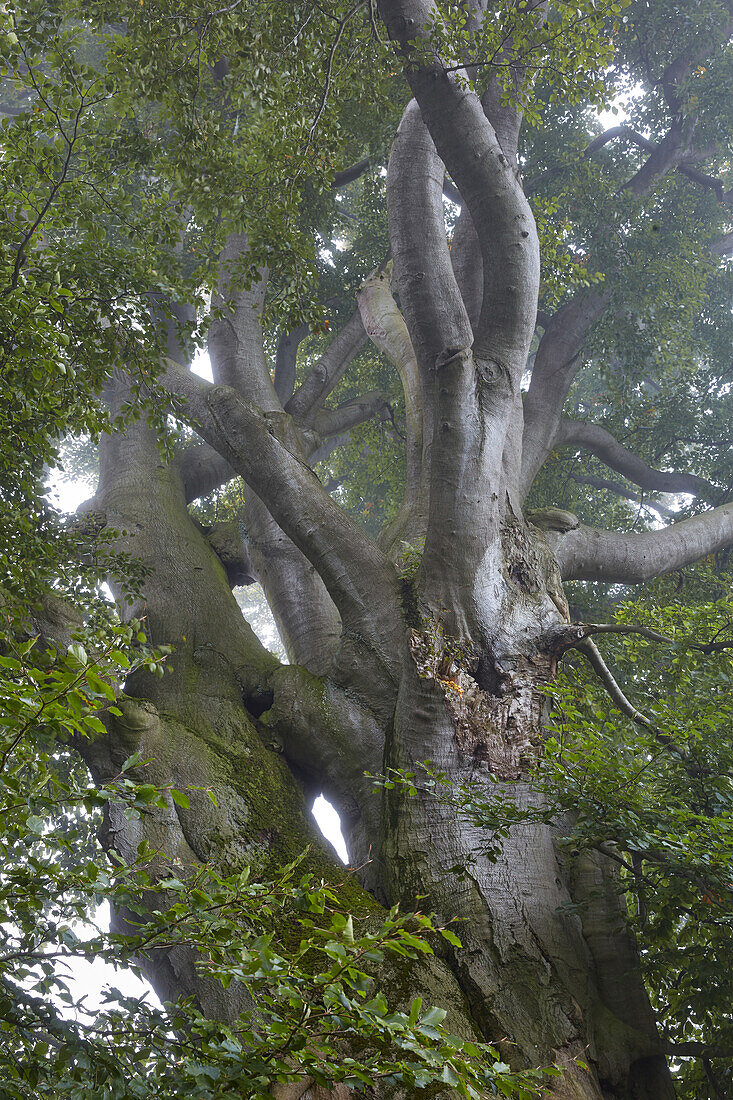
pixel 468 146
pixel 263 449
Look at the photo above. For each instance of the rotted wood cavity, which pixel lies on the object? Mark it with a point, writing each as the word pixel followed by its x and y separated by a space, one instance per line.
pixel 497 724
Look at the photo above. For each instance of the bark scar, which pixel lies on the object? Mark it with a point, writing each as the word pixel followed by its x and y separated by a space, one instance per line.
pixel 499 731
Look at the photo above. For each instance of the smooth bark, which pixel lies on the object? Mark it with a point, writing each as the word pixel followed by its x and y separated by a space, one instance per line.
pixel 598 441
pixel 589 554
pixel 450 660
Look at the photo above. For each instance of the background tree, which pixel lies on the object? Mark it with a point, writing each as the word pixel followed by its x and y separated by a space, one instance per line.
pixel 175 176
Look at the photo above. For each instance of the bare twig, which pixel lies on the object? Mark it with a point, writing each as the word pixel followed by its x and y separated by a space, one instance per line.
pixel 593 655
pixel 329 71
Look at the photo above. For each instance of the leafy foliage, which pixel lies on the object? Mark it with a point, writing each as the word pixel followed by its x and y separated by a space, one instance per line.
pixel 302 964
pixel 656 802
pixel 135 137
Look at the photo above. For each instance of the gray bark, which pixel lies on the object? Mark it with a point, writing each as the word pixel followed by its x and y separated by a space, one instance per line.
pixel 590 554
pixel 450 665
pixel 599 442
pixel 285 361
pixel 307 620
pixel 324 376
pixel 556 364
pixel 386 328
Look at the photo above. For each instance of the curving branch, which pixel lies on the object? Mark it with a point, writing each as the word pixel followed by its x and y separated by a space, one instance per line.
pixel 386 328
pixel 556 364
pixel 429 295
pixel 712 183
pixel 471 376
pixel 285 360
pixel 468 145
pixel 674 155
pixel 328 371
pixel 348 175
pixel 176 322
pixel 599 442
pixel 590 554
pixel 307 620
pixel 320 454
pixel 592 653
pixel 662 158
pixel 356 411
pixel 265 450
pixel 202 470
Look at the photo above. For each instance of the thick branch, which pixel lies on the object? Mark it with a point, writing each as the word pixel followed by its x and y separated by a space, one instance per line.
pixel 429 295
pixel 365 407
pixel 663 157
pixel 328 371
pixel 202 470
pixel 235 338
pixel 386 328
pixel 348 175
pixel 469 147
pixel 258 446
pixel 556 363
pixel 327 448
pixel 177 322
pixel 227 540
pixel 466 403
pixel 599 442
pixel 466 259
pixel 285 360
pixel 306 618
pixel 587 553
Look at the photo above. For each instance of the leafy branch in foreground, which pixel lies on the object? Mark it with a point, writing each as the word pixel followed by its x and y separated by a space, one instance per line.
pixel 302 963
pixel 662 813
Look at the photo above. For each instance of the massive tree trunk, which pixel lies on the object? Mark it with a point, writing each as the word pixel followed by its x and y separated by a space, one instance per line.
pixel 547 968
pixel 448 665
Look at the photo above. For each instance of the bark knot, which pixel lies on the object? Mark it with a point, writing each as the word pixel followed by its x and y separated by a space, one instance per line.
pixel 451 356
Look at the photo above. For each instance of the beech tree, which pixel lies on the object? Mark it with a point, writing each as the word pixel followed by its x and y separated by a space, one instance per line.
pixel 394 226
